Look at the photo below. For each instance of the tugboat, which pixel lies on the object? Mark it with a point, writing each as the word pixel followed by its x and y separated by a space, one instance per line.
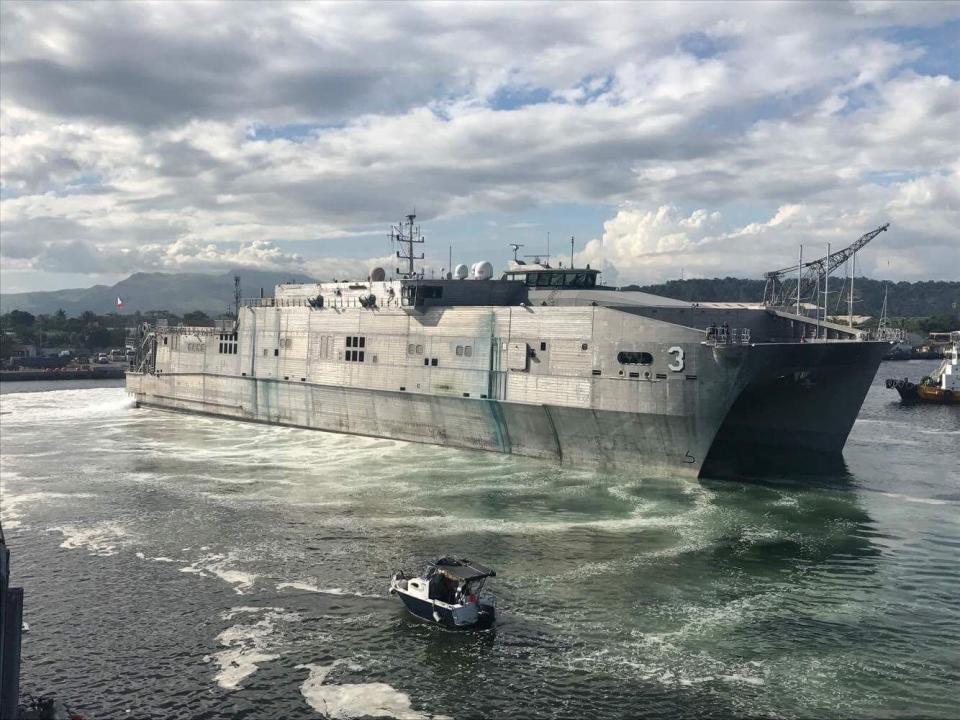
pixel 447 593
pixel 943 387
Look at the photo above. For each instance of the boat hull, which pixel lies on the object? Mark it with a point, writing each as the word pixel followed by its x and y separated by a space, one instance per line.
pixel 800 397
pixel 913 393
pixel 813 409
pixel 461 618
pixel 571 436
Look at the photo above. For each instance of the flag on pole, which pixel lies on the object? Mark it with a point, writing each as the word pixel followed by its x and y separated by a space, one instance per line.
pixel 119 303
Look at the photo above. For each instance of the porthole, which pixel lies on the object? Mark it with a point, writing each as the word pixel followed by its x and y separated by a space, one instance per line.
pixel 634 358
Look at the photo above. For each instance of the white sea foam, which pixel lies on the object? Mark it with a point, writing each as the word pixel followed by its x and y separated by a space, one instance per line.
pixel 247 644
pixel 919 500
pixel 309 587
pixel 101 539
pixel 12 506
pixel 219 565
pixel 786 501
pixel 446 524
pixel 655 659
pixel 745 679
pixel 59 406
pixel 357 700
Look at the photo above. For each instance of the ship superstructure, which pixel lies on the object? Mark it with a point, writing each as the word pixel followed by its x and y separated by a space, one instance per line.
pixel 542 361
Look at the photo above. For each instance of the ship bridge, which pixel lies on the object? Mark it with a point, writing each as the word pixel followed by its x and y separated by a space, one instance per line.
pixel 535 275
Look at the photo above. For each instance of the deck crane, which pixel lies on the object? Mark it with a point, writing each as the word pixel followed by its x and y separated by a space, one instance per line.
pixel 811 273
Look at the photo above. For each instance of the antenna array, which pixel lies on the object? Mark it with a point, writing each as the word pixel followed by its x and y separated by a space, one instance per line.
pixel 405 234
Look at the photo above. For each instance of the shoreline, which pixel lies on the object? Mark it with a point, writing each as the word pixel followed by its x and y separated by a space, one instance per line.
pixel 104 373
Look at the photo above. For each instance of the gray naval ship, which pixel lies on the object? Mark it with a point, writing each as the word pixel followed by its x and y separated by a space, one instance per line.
pixel 543 362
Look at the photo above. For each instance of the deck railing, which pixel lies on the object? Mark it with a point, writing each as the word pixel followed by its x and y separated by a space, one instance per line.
pixel 728 336
pixel 329 301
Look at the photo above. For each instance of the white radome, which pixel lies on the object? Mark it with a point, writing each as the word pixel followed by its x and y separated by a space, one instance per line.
pixel 482 270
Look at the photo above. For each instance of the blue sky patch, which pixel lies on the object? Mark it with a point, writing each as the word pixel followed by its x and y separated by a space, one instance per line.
pixel 703 46
pixel 295 132
pixel 514 97
pixel 939 44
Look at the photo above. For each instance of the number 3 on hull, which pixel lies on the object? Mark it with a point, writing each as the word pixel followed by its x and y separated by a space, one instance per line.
pixel 677 364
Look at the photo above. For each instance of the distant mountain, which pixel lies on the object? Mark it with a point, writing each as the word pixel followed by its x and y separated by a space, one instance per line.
pixel 183 292
pixel 176 292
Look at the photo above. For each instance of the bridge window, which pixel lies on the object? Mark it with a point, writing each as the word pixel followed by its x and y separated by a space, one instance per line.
pixel 356 341
pixel 228 344
pixel 635 358
pixel 353 355
pixel 416 294
pixel 468 350
pixel 558 279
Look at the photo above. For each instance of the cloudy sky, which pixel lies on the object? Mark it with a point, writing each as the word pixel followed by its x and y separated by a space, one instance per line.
pixel 703 139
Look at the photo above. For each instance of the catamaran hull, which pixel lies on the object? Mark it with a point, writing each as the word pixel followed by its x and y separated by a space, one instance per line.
pixel 791 396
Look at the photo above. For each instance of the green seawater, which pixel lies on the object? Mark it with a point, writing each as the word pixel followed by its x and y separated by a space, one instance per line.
pixel 180 566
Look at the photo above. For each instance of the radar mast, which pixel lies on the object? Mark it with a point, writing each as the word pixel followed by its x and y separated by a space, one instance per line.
pixel 406 233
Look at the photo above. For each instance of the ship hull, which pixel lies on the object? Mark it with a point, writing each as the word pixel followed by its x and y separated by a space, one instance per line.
pixel 756 408
pixel 570 436
pixel 801 397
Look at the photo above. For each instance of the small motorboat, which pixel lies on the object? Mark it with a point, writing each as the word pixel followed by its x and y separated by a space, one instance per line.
pixel 447 593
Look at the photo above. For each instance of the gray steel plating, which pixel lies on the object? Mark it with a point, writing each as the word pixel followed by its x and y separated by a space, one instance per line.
pixel 580 376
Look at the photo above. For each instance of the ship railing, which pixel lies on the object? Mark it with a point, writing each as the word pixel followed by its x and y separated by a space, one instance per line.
pixel 276 302
pixel 727 336
pixel 334 301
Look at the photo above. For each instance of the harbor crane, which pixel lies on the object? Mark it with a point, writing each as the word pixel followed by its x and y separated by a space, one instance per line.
pixel 810 275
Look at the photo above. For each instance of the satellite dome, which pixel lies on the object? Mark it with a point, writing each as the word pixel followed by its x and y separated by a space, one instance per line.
pixel 378 274
pixel 460 271
pixel 482 270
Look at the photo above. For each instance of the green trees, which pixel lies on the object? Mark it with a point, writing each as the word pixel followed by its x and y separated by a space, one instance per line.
pixel 89 331
pixel 197 318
